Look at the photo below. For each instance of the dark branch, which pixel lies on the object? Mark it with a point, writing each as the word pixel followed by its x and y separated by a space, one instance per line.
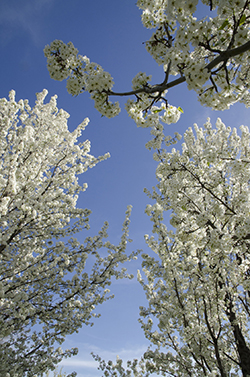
pixel 224 56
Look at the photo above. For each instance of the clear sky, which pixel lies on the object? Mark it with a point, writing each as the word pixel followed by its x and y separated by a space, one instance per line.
pixel 110 33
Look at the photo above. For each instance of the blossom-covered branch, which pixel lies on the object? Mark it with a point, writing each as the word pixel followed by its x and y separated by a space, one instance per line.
pixel 211 55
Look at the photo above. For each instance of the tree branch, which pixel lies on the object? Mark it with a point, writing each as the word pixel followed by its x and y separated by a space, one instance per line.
pixel 222 57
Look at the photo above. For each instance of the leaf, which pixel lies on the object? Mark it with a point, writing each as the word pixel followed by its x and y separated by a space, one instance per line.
pixel 225 23
pixel 180 109
pixel 156 111
pixel 242 19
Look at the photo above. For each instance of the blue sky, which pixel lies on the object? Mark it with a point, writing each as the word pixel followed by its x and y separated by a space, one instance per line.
pixel 110 33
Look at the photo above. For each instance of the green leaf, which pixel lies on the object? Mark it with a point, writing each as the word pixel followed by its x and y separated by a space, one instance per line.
pixel 225 23
pixel 180 109
pixel 156 111
pixel 242 19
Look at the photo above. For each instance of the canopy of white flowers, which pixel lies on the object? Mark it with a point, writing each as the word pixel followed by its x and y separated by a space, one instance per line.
pixel 46 292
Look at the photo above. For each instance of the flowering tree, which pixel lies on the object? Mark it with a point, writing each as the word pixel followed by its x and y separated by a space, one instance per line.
pixel 45 290
pixel 199 291
pixel 210 54
pixel 198 286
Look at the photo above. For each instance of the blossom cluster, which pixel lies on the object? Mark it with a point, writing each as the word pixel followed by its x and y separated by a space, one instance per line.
pixel 64 62
pixel 134 368
pixel 43 279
